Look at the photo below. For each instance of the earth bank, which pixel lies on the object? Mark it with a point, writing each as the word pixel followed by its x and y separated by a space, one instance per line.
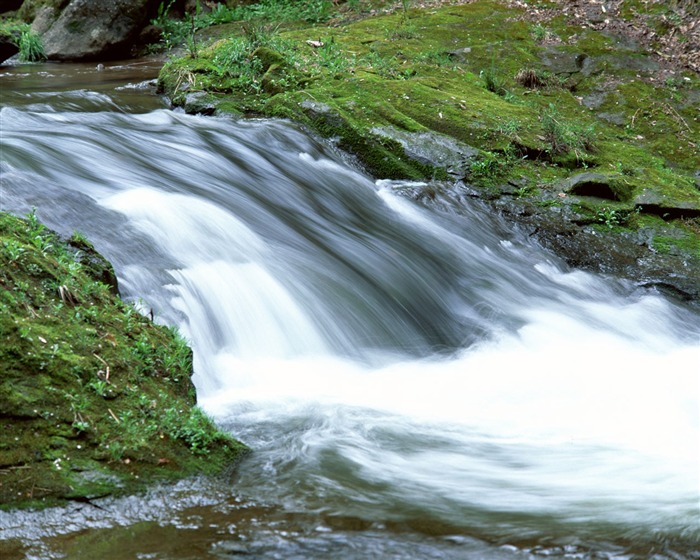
pixel 95 399
pixel 581 133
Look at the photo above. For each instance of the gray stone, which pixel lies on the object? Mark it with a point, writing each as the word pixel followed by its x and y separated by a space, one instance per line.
pixel 199 103
pixel 432 148
pixel 45 18
pixel 561 61
pixel 97 29
pixel 590 184
pixel 667 206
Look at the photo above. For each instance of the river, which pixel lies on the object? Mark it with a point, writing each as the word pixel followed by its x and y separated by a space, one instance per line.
pixel 416 381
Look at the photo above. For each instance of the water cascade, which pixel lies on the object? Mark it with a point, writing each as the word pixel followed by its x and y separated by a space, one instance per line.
pixel 415 381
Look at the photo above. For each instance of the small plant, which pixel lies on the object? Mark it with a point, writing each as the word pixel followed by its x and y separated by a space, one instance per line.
pixel 439 58
pixel 385 67
pixel 525 190
pixel 532 79
pixel 195 429
pixel 509 129
pixel 485 167
pixel 564 137
pixel 405 31
pixel 99 386
pixel 493 82
pixel 539 32
pixel 80 426
pixel 609 216
pixel 35 226
pixel 14 249
pixel 31 49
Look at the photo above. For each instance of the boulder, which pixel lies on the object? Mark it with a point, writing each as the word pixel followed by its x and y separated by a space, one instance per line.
pixel 97 29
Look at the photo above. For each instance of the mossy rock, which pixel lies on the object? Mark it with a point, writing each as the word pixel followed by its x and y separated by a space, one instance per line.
pixel 95 399
pixel 600 106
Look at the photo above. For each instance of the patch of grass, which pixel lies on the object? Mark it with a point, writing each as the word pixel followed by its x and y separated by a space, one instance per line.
pixel 494 82
pixel 31 48
pixel 564 136
pixel 533 79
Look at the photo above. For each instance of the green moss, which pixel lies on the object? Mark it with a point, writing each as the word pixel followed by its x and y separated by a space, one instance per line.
pixel 602 107
pixel 94 398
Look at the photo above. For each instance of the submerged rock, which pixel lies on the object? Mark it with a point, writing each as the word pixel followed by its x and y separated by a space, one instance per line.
pixel 432 148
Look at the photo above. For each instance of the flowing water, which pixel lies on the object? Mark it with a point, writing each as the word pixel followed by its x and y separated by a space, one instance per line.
pixel 415 382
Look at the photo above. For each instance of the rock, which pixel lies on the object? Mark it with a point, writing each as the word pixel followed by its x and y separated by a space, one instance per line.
pixel 199 103
pixel 460 55
pixel 432 148
pixel 45 18
pixel 560 61
pixel 666 206
pixel 97 29
pixel 591 184
pixel 320 112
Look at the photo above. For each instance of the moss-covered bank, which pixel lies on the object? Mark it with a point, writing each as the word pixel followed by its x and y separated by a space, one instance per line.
pixel 95 399
pixel 560 119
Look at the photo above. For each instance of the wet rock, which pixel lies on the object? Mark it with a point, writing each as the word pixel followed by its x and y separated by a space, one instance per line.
pixel 94 264
pixel 432 148
pixel 628 255
pixel 199 103
pixel 97 29
pixel 320 112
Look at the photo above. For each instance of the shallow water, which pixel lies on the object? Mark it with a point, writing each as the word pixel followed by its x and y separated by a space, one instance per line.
pixel 415 382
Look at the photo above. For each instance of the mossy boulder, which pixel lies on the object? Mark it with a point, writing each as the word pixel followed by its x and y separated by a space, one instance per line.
pixel 511 100
pixel 95 398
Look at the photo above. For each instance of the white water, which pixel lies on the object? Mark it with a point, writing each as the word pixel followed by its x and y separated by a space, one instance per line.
pixel 384 361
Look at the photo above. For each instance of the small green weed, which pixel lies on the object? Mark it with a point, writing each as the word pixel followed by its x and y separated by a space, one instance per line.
pixel 540 33
pixel 195 429
pixel 31 49
pixel 487 166
pixel 565 136
pixel 493 82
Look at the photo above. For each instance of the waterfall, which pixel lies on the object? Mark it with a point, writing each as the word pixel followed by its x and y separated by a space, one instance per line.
pixel 395 363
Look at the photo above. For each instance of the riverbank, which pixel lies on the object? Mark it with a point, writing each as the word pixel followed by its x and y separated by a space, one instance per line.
pixel 583 136
pixel 95 398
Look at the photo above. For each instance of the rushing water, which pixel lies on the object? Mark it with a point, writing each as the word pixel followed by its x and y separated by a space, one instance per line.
pixel 415 382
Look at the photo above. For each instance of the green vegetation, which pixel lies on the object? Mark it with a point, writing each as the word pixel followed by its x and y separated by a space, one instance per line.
pixel 178 32
pixel 31 48
pixel 541 102
pixel 29 44
pixel 95 399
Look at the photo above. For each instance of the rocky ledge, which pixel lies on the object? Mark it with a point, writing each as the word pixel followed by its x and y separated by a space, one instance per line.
pixel 579 132
pixel 95 399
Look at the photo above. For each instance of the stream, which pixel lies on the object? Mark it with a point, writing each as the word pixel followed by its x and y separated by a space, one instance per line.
pixel 416 381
